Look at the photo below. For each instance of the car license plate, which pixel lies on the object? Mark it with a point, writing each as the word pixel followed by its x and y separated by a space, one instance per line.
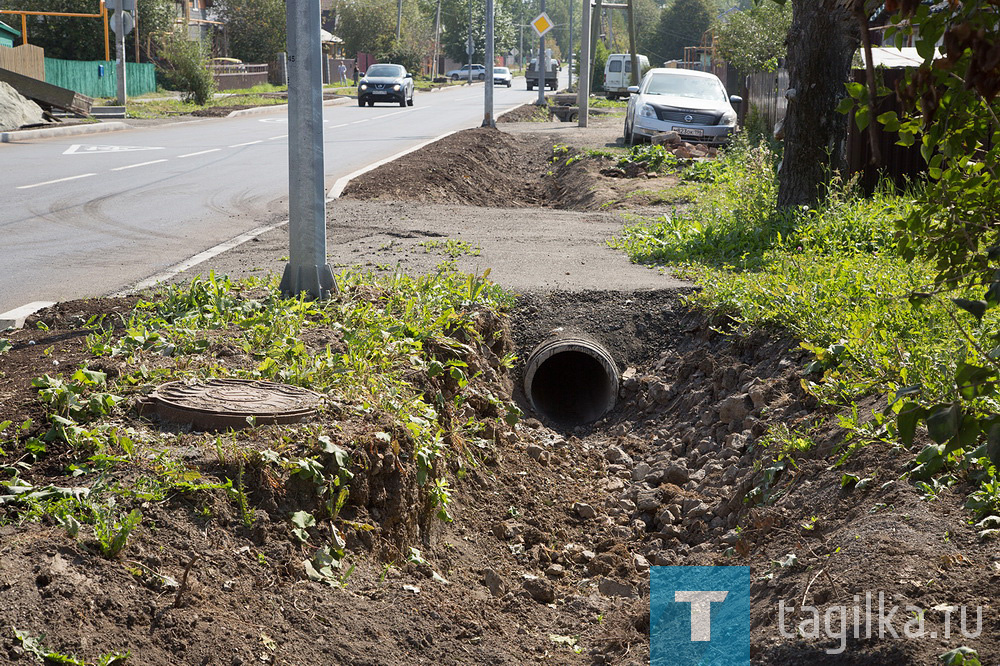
pixel 379 92
pixel 688 131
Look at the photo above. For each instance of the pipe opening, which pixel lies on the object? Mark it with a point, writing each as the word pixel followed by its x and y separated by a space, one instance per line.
pixel 571 383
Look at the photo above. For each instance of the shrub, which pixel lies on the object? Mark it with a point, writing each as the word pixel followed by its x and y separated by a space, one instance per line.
pixel 183 65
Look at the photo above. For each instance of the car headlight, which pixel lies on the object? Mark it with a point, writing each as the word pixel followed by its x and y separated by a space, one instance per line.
pixel 728 118
pixel 397 87
pixel 647 111
pixel 364 86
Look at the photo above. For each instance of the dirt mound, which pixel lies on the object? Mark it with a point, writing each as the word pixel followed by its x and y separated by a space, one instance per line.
pixel 490 168
pixel 526 113
pixel 478 167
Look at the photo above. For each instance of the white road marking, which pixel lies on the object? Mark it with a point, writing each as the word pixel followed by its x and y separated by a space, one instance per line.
pixel 248 143
pixel 200 152
pixel 79 149
pixel 272 120
pixel 359 121
pixel 280 136
pixel 132 166
pixel 340 125
pixel 58 180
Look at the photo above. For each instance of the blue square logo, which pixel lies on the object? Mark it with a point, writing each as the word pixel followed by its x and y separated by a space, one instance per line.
pixel 699 616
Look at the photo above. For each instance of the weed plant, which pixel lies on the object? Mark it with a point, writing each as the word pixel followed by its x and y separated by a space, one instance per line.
pixel 831 276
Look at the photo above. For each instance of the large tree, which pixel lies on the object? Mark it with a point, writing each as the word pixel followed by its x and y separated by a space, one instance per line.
pixel 822 42
pixel 681 24
pixel 256 28
pixel 455 28
pixel 76 38
pixel 753 39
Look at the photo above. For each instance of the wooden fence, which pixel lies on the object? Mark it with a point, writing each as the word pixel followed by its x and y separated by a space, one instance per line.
pixel 897 164
pixel 26 60
pixel 765 96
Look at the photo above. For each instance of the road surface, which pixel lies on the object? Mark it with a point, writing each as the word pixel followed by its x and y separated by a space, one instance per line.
pixel 88 216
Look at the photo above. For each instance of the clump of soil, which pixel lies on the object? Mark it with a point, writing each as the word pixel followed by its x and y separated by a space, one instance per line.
pixel 527 113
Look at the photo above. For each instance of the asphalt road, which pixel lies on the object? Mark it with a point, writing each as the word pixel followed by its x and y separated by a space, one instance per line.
pixel 88 216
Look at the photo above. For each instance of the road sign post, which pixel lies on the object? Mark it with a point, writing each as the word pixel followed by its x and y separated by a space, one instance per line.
pixel 542 24
pixel 488 120
pixel 122 24
pixel 583 94
pixel 307 270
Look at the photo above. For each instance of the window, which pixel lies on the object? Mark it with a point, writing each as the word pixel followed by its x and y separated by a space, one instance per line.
pixel 615 66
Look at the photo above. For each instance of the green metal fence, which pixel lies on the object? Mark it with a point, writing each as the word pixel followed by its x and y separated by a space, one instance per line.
pixel 98 78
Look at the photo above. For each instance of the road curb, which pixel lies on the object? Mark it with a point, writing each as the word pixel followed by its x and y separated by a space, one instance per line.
pixel 47 132
pixel 258 110
pixel 342 182
pixel 15 318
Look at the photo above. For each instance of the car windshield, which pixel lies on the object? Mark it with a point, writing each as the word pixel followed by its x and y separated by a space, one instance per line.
pixel 386 70
pixel 681 85
pixel 501 70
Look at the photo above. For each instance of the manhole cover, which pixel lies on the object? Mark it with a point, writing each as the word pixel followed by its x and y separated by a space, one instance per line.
pixel 226 403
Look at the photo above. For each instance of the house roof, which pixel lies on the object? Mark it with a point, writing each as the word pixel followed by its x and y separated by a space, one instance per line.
pixel 6 28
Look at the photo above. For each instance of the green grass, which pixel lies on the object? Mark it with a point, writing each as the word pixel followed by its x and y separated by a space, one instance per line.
pixel 831 277
pixel 174 107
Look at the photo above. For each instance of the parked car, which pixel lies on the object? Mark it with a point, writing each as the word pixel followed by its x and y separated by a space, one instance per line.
pixel 618 74
pixel 693 104
pixel 502 76
pixel 386 82
pixel 478 72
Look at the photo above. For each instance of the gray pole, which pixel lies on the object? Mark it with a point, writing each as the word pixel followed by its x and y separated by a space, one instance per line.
pixel 631 44
pixel 469 47
pixel 583 95
pixel 437 42
pixel 570 44
pixel 306 270
pixel 399 16
pixel 488 120
pixel 540 66
pixel 120 55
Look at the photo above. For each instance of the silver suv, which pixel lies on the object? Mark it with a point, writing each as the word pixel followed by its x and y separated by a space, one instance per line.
pixel 478 73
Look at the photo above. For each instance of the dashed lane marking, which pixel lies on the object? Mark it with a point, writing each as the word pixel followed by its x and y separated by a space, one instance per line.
pixel 140 164
pixel 58 180
pixel 200 152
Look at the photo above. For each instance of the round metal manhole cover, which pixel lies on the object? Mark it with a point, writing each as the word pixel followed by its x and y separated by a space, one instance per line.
pixel 228 403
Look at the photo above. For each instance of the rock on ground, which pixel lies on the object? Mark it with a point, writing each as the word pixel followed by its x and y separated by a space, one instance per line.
pixel 15 110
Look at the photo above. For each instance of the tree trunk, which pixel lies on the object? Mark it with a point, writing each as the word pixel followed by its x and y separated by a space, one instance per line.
pixel 821 44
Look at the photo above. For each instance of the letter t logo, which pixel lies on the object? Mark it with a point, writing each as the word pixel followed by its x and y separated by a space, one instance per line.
pixel 701 611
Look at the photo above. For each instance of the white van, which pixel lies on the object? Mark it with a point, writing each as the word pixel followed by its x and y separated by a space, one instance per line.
pixel 618 74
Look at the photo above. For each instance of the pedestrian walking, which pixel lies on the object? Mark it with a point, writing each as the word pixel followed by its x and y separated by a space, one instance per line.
pixel 342 68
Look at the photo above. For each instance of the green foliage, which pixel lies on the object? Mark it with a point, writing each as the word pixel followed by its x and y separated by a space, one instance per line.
pixel 183 65
pixel 82 38
pixel 256 28
pixel 960 656
pixel 35 647
pixel 597 73
pixel 753 39
pixel 455 28
pixel 681 24
pixel 113 530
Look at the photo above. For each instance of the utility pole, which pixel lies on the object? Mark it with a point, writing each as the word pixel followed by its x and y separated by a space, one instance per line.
pixel 540 66
pixel 595 26
pixel 399 17
pixel 120 53
pixel 488 120
pixel 583 94
pixel 307 270
pixel 571 44
pixel 437 42
pixel 631 43
pixel 470 47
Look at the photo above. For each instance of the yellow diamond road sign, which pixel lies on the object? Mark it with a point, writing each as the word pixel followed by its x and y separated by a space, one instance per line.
pixel 542 24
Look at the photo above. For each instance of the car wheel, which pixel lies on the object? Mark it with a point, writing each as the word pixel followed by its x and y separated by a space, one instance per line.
pixel 409 102
pixel 361 102
pixel 454 77
pixel 530 87
pixel 508 84
pixel 628 135
pixel 371 102
pixel 482 77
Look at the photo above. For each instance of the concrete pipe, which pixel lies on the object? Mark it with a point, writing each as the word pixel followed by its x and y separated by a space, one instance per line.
pixel 571 379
